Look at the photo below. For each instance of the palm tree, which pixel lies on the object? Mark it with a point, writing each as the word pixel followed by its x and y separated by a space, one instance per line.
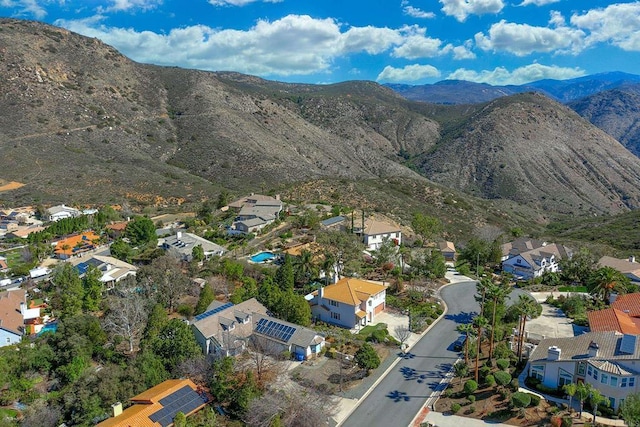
pixel 570 389
pixel 583 391
pixel 468 330
pixel 305 266
pixel 479 322
pixel 595 398
pixel 605 280
pixel 496 292
pixel 527 307
pixel 481 288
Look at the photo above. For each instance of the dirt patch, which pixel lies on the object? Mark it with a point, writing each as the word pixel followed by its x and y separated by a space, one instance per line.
pixel 13 185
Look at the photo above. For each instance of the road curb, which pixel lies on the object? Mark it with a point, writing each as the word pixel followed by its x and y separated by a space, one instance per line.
pixel 384 374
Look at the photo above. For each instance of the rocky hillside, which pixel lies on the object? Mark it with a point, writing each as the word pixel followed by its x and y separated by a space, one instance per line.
pixel 617 112
pixel 533 150
pixel 82 123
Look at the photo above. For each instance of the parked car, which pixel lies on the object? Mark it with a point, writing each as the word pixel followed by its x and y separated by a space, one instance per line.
pixel 458 344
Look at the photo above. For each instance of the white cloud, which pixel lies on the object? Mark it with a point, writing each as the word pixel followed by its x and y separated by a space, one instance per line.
pixel 524 39
pixel 292 45
pixel 418 46
pixel 537 2
pixel 126 5
pixel 618 24
pixel 463 52
pixel 529 73
pixel 33 8
pixel 415 12
pixel 239 2
pixel 461 9
pixel 410 73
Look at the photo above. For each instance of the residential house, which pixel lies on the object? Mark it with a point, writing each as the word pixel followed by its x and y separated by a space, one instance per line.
pixel 76 245
pixel 182 243
pixel 375 233
pixel 112 269
pixel 609 361
pixel 348 303
pixel 336 222
pixel 4 267
pixel 56 213
pixel 302 343
pixel 116 229
pixel 14 313
pixel 448 250
pixel 24 231
pixel 622 316
pixel 255 212
pixel 535 262
pixel 629 267
pixel 518 246
pixel 7 226
pixel 223 329
pixel 158 406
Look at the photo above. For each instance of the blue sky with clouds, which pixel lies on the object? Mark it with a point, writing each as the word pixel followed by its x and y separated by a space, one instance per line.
pixel 389 41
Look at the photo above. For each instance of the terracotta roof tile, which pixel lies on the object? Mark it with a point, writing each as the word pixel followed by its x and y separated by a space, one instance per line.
pixel 67 246
pixel 628 303
pixel 612 319
pixel 352 291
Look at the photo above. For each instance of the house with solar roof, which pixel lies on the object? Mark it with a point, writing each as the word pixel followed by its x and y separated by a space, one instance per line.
pixel 225 328
pixel 112 269
pixel 158 406
pixel 348 303
pixel 609 361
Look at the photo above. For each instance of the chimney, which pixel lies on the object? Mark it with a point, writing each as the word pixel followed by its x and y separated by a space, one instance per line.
pixel 554 353
pixel 612 297
pixel 23 308
pixel 632 258
pixel 320 293
pixel 117 409
pixel 277 197
pixel 179 235
pixel 593 349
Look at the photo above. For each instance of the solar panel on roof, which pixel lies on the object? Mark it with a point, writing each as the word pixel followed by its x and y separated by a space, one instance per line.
pixel 183 400
pixel 628 344
pixel 275 330
pixel 214 311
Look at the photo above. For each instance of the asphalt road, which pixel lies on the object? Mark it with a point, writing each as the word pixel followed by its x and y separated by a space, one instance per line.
pixel 403 392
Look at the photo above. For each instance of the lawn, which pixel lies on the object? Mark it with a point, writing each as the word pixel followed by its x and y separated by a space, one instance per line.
pixel 14 257
pixel 8 413
pixel 573 289
pixel 369 329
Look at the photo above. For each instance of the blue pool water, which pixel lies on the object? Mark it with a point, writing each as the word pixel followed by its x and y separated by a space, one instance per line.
pixel 49 327
pixel 262 257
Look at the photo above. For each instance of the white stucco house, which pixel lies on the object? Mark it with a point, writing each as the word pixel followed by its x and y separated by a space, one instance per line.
pixel 56 213
pixel 182 243
pixel 16 318
pixel 375 233
pixel 609 361
pixel 349 303
pixel 535 262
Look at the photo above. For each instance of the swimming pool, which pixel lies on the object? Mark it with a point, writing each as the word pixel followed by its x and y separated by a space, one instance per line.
pixel 262 257
pixel 49 327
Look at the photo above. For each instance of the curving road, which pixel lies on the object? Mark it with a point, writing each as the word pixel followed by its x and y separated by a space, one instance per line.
pixel 404 390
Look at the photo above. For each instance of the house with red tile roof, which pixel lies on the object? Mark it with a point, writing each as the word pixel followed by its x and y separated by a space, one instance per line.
pixel 158 406
pixel 623 316
pixel 75 245
pixel 348 303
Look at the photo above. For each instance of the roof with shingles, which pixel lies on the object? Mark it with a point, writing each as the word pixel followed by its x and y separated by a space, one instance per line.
pixel 612 319
pixel 10 317
pixel 629 303
pixel 352 291
pixel 148 402
pixel 446 246
pixel 577 348
pixel 612 367
pixel 373 228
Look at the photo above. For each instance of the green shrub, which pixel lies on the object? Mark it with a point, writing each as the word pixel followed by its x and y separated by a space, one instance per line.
pixel 502 351
pixel 505 393
pixel 470 386
pixel 455 407
pixel 490 381
pixel 483 372
pixel 379 336
pixel 502 378
pixel 566 422
pixel 535 400
pixel 520 399
pixel 471 398
pixel 502 364
pixel 515 384
pixel 186 310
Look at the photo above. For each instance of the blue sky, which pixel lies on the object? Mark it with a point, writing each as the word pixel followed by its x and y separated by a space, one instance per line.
pixel 328 41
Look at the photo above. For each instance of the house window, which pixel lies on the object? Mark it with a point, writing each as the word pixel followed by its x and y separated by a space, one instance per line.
pixel 564 378
pixel 581 368
pixel 632 382
pixel 595 375
pixel 537 371
pixel 613 381
pixel 333 303
pixel 612 402
pixel 335 316
pixel 518 260
pixel 623 382
pixel 589 370
pixel 604 379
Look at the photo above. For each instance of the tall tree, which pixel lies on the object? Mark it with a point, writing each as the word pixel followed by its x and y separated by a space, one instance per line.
pixel 305 267
pixel 164 279
pixel 630 410
pixel 468 330
pixel 127 317
pixel 596 399
pixel 176 343
pixel 579 267
pixel 497 292
pixel 606 280
pixel 206 297
pixel 92 289
pixel 141 231
pixel 425 226
pixel 527 307
pixel 70 292
pixel 285 276
pixel 480 322
pixel 583 391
